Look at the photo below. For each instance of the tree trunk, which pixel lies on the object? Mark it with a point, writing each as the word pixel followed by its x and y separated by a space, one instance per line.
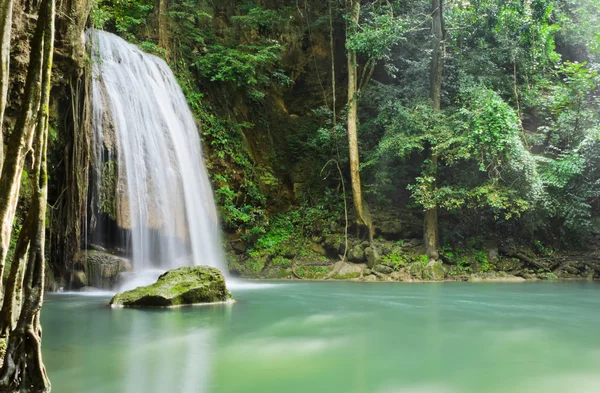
pixel 5 25
pixel 437 53
pixel 22 367
pixel 19 144
pixel 362 212
pixel 163 25
pixel 430 227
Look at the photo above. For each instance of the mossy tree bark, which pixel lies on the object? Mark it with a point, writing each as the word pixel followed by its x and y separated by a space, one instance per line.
pixel 19 144
pixel 22 367
pixel 362 211
pixel 5 26
pixel 431 229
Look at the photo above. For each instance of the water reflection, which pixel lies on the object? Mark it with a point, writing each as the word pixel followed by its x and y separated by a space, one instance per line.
pixel 158 363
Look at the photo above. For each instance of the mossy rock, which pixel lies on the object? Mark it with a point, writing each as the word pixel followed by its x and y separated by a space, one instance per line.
pixel 434 271
pixel 383 269
pixel 182 286
pixel 416 270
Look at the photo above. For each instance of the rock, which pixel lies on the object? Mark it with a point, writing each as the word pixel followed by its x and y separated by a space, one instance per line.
pixel 356 254
pixel 413 243
pixel 185 285
pixel 372 257
pixel 350 269
pixel 390 229
pixel 103 269
pixel 96 247
pixel 366 272
pixel 79 279
pixel 494 277
pixel 416 270
pixel 318 249
pixel 370 278
pixel 508 264
pixel 334 244
pixel 400 276
pixel 383 269
pixel 491 248
pixel 434 271
pixel 239 246
pixel 52 283
pixel 380 276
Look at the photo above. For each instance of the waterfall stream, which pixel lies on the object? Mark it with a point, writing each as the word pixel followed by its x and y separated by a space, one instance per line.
pixel 163 196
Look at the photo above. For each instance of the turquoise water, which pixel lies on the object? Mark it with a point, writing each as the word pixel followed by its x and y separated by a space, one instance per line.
pixel 334 338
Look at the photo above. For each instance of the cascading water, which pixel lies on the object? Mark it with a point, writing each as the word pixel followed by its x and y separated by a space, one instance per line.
pixel 163 195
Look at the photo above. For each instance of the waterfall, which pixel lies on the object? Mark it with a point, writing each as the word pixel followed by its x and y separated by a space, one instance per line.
pixel 163 196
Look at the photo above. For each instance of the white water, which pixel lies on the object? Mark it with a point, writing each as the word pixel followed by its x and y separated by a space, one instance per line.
pixel 163 189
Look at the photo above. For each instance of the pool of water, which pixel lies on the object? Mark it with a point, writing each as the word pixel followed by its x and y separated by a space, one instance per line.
pixel 316 337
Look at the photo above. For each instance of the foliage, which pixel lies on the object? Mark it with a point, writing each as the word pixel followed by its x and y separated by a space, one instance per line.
pixel 251 67
pixel 516 141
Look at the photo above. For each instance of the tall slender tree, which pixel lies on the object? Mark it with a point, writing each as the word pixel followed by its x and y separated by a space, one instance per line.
pixel 354 85
pixel 431 230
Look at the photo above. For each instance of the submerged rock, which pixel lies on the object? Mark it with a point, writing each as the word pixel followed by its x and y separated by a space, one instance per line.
pixel 185 285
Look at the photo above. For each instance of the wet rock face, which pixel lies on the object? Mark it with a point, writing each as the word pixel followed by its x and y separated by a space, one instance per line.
pixel 102 269
pixel 182 286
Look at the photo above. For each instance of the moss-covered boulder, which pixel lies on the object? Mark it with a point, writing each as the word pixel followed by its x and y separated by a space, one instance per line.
pixel 182 286
pixel 434 271
pixel 416 270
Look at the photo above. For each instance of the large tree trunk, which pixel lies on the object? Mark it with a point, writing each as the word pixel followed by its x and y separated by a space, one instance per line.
pixel 430 227
pixel 5 26
pixel 22 367
pixel 362 212
pixel 19 145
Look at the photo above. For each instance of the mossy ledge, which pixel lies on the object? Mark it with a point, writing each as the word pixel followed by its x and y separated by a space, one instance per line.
pixel 178 287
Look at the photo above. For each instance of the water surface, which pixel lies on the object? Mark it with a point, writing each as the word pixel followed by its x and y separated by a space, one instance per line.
pixel 334 338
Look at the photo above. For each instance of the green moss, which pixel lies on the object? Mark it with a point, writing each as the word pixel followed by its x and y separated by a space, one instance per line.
pixel 185 285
